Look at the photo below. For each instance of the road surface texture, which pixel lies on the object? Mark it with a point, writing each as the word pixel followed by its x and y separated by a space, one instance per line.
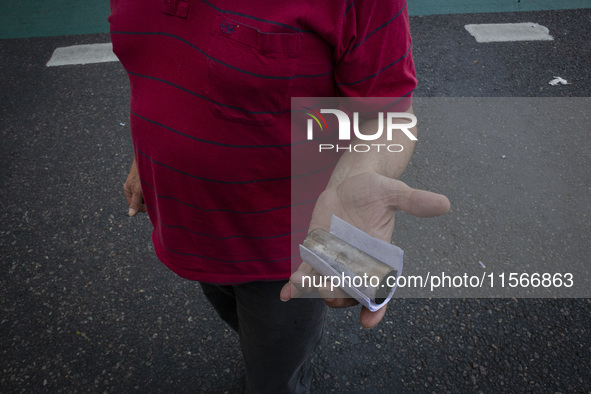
pixel 86 306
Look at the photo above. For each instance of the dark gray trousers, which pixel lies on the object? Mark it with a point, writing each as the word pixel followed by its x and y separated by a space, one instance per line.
pixel 277 338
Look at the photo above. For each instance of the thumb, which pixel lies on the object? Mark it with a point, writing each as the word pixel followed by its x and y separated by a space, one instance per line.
pixel 420 203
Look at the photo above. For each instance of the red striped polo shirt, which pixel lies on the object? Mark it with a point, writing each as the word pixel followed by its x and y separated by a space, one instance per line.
pixel 211 83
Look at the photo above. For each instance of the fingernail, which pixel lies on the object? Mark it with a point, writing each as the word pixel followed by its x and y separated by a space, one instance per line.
pixel 132 212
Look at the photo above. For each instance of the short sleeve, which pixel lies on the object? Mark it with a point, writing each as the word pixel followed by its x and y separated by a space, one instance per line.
pixel 374 54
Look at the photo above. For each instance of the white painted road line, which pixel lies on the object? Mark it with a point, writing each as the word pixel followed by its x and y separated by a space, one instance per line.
pixel 502 32
pixel 82 54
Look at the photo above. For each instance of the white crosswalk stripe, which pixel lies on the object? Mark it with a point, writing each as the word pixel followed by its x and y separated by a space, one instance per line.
pixel 82 54
pixel 502 32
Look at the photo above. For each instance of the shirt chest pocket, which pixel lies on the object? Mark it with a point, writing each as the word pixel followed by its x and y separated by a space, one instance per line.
pixel 249 72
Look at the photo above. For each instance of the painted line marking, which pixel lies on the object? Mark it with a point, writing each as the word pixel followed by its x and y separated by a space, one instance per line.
pixel 82 54
pixel 503 32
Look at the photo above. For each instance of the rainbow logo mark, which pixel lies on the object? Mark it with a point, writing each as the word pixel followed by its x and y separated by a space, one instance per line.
pixel 315 115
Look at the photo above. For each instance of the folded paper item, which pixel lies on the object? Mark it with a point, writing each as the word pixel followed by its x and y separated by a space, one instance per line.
pixel 364 267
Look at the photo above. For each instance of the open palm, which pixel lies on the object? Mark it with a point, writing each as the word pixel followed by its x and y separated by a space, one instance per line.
pixel 368 201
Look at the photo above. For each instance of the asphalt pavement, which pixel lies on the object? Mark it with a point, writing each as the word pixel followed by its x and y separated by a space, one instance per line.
pixel 86 306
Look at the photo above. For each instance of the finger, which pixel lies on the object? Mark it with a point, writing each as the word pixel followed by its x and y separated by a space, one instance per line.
pixel 128 193
pixel 338 303
pixel 294 288
pixel 129 196
pixel 285 294
pixel 369 319
pixel 135 203
pixel 335 297
pixel 416 202
pixel 427 204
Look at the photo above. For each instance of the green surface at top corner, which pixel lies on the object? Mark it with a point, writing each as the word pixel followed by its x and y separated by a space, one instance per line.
pixel 43 18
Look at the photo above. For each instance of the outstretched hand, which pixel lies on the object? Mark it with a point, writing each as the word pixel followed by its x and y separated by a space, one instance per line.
pixel 368 201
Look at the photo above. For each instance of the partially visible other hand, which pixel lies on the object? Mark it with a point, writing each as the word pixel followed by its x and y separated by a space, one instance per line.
pixel 133 191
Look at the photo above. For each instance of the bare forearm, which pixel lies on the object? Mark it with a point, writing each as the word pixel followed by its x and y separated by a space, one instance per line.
pixel 382 161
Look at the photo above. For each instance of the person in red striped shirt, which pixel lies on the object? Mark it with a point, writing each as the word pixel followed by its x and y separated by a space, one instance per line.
pixel 211 85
